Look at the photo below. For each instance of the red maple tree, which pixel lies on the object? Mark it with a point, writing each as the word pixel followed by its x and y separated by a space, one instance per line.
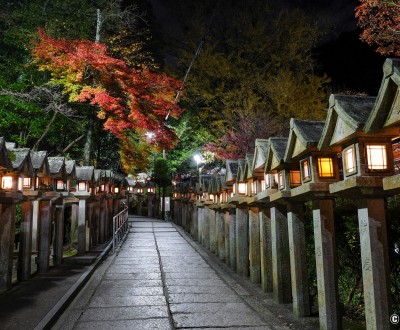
pixel 129 99
pixel 380 21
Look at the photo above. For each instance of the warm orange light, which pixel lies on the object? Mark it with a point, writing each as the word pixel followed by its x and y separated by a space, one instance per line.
pixel 295 179
pixel 325 167
pixel 7 182
pixel 116 190
pixel 350 160
pixel 376 157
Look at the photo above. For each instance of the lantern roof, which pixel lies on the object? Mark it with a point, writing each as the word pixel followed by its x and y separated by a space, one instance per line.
pixel 232 167
pixel 248 166
pixel 70 168
pixel 241 174
pixel 304 136
pixel 109 174
pixel 386 111
pixel 260 155
pixel 40 162
pixel 21 160
pixel 129 181
pixel 57 166
pixel 347 115
pixel 276 153
pixel 5 163
pixel 139 184
pixel 85 173
pixel 222 179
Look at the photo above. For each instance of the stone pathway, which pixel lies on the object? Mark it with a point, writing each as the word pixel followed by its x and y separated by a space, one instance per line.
pixel 160 279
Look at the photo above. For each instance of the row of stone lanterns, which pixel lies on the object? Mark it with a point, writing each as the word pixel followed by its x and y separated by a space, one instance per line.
pixel 44 186
pixel 261 200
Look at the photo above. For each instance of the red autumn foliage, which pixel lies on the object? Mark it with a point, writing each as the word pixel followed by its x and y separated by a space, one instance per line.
pixel 128 98
pixel 380 21
pixel 239 141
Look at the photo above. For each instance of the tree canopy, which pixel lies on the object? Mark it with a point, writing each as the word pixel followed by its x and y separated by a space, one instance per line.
pixel 380 22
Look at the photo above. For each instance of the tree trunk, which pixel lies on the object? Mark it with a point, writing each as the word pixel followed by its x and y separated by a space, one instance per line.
pixel 36 146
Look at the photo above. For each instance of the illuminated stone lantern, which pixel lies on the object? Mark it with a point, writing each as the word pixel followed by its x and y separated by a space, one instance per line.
pixel 70 171
pixel 366 159
pixel 84 180
pixel 57 181
pixel 258 165
pixel 265 187
pixel 240 188
pixel 33 190
pixel 288 176
pixel 318 169
pixel 384 120
pixel 139 193
pixel 230 180
pixel 151 205
pixel 9 197
pixel 129 185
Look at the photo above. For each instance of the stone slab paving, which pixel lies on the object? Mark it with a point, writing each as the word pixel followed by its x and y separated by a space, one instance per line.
pixel 160 279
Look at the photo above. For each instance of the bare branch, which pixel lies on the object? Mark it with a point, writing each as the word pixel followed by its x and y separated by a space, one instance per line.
pixel 49 97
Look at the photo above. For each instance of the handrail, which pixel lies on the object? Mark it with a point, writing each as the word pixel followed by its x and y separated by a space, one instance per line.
pixel 120 227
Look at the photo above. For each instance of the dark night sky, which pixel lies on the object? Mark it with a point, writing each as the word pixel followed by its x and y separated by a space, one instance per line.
pixel 351 64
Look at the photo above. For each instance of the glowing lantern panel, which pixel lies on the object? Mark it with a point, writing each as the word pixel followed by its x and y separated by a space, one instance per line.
pixel 325 167
pixel 6 182
pixel 295 179
pixel 376 157
pixel 350 161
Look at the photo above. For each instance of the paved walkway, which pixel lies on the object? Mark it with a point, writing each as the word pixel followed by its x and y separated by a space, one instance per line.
pixel 161 279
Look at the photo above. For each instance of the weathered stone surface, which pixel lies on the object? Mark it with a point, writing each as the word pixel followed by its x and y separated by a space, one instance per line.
pixel 242 242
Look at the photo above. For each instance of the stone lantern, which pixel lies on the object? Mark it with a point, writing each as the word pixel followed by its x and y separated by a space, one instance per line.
pixel 263 230
pixel 230 179
pixel 288 176
pixel 366 159
pixel 82 190
pixel 318 169
pixel 151 200
pixel 10 195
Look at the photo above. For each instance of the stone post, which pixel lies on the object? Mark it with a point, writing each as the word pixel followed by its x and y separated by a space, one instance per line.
pixel 194 229
pixel 375 262
pixel 266 250
pixel 254 245
pixel 200 215
pixel 7 235
pixel 82 227
pixel 232 239
pixel 97 208
pixel 102 220
pixel 298 261
pixel 206 227
pixel 226 219
pixel 45 207
pixel 220 218
pixel 242 241
pixel 213 230
pixel 58 244
pixel 280 255
pixel 74 224
pixel 25 245
pixel 35 225
pixel 150 206
pixel 326 264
